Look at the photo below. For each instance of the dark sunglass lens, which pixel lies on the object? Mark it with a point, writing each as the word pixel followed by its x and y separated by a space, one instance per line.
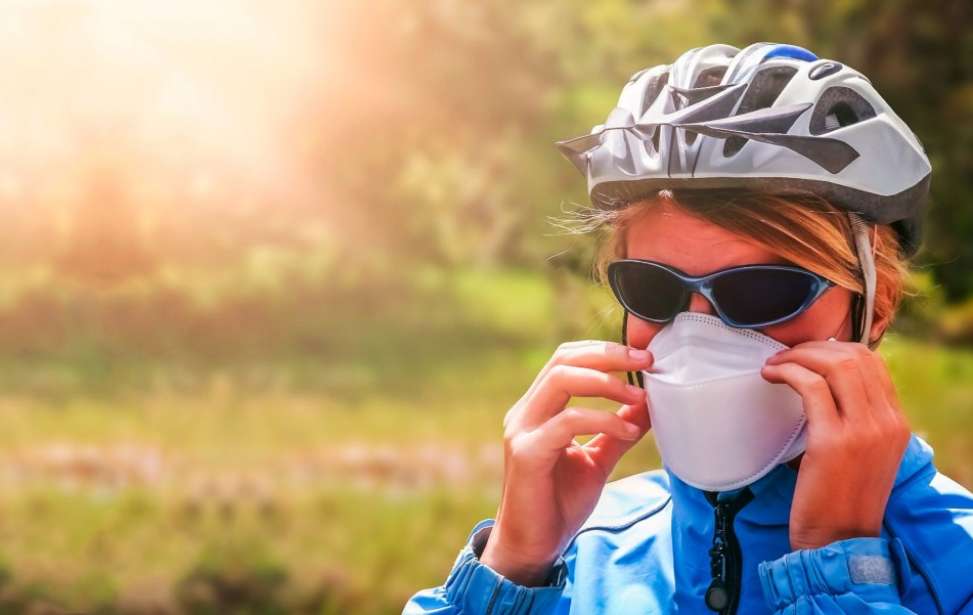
pixel 650 292
pixel 753 296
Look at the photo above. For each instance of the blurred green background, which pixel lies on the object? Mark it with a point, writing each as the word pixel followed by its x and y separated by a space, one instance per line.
pixel 274 272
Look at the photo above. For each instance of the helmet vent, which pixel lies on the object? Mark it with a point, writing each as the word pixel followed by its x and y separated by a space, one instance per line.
pixel 707 78
pixel 763 91
pixel 838 107
pixel 710 76
pixel 690 137
pixel 652 89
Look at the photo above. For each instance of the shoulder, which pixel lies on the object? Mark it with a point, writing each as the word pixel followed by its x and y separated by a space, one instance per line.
pixel 918 477
pixel 627 501
pixel 621 557
pixel 932 515
pixel 923 496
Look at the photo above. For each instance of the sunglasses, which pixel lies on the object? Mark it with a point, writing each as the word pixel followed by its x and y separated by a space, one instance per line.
pixel 745 297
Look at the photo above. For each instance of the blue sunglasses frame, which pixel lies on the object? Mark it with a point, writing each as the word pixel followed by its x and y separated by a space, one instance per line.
pixel 704 286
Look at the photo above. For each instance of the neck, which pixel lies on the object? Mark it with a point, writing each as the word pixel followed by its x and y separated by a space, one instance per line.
pixel 795 463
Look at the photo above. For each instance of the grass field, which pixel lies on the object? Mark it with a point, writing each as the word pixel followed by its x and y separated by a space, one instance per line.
pixel 338 477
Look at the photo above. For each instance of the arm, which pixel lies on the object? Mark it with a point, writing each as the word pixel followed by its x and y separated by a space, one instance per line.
pixel 551 484
pixel 857 437
pixel 473 588
pixel 513 565
pixel 854 575
pixel 929 540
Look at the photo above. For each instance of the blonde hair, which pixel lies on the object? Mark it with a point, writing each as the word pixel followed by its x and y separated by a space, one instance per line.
pixel 803 228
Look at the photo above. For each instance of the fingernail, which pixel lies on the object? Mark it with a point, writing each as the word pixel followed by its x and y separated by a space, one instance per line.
pixel 632 429
pixel 638 355
pixel 634 390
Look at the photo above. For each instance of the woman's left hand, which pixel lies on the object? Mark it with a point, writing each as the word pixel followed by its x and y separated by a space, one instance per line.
pixel 857 434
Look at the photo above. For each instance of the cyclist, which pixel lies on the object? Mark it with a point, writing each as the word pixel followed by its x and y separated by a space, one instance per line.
pixel 762 205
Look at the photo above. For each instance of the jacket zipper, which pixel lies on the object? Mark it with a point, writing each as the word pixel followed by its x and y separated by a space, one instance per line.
pixel 726 560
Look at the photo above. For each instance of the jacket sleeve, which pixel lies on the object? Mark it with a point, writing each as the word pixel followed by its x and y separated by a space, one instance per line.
pixel 473 588
pixel 856 575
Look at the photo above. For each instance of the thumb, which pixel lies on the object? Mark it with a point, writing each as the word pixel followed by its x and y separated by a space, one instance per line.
pixel 606 450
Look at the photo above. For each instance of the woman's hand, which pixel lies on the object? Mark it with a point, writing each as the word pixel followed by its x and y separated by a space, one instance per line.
pixel 551 482
pixel 857 435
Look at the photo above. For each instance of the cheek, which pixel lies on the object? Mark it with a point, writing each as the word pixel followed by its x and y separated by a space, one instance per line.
pixel 830 315
pixel 640 332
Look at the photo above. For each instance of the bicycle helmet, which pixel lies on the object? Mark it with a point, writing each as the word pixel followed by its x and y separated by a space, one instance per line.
pixel 772 117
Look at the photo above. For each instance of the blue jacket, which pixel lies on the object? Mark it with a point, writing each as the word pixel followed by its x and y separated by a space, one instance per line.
pixel 646 549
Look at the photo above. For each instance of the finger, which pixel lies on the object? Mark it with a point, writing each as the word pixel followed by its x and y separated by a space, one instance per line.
pixel 872 369
pixel 559 431
pixel 839 365
pixel 890 411
pixel 563 382
pixel 884 376
pixel 819 404
pixel 594 354
pixel 606 449
pixel 872 366
pixel 637 414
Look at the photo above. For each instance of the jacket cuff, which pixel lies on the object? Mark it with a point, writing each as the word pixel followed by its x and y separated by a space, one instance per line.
pixel 873 570
pixel 476 588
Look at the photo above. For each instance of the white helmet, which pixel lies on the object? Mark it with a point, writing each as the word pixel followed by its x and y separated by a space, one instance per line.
pixel 769 117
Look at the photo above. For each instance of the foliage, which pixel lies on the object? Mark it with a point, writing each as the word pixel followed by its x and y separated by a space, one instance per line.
pixel 223 495
pixel 267 375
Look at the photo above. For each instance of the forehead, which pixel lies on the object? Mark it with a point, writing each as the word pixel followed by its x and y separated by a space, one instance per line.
pixel 670 235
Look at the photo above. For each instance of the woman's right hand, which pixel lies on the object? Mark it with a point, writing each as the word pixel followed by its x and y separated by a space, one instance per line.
pixel 552 482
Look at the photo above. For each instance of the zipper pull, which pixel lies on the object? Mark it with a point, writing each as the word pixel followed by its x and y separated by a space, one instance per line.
pixel 717 596
pixel 723 593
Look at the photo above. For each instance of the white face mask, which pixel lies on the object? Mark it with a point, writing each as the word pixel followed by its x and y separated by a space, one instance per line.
pixel 717 423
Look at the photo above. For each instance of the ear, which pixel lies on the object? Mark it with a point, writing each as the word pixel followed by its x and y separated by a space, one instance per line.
pixel 879 327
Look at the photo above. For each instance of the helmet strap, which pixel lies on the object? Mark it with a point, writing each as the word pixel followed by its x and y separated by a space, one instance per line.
pixel 866 259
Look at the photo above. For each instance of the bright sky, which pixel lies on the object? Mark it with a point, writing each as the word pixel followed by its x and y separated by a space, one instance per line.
pixel 171 91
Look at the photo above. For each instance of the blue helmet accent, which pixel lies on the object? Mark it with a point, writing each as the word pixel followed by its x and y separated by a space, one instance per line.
pixel 790 51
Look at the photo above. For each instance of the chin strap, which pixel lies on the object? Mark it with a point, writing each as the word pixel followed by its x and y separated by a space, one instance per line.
pixel 866 259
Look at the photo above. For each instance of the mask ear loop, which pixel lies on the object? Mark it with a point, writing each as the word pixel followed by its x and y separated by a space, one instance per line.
pixel 637 375
pixel 866 258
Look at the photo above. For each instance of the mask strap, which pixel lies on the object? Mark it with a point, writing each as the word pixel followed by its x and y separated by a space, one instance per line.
pixel 637 375
pixel 866 259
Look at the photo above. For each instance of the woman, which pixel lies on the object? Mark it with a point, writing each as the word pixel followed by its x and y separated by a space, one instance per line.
pixel 761 205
